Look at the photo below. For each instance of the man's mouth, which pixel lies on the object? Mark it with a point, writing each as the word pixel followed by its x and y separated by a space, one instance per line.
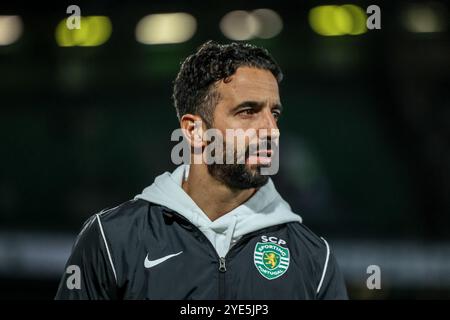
pixel 263 157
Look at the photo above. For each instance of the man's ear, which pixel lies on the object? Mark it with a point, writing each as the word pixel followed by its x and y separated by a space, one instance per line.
pixel 193 129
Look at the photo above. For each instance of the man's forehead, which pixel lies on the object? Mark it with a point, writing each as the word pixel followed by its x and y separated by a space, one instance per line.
pixel 250 84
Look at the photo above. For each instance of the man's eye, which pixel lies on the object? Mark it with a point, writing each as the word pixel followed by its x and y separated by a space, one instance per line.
pixel 247 112
pixel 276 114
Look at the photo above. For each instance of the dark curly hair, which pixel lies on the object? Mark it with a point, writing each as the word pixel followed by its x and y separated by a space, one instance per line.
pixel 194 87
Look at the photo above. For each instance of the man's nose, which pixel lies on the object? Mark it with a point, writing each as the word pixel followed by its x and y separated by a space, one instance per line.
pixel 268 120
pixel 269 123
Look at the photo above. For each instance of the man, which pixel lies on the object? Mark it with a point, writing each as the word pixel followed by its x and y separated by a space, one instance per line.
pixel 209 230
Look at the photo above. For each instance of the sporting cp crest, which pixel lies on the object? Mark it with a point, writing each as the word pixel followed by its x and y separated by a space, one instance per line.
pixel 271 259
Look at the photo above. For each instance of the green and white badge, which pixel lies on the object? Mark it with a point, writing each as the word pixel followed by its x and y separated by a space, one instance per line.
pixel 271 260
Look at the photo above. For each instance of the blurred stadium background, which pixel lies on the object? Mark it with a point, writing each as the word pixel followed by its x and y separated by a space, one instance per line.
pixel 86 118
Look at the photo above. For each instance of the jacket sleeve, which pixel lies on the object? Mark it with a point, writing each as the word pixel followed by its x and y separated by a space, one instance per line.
pixel 89 273
pixel 332 284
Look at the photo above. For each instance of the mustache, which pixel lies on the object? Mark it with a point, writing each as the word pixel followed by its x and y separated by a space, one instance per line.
pixel 267 145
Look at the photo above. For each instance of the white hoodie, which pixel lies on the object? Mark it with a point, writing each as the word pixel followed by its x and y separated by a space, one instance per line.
pixel 265 208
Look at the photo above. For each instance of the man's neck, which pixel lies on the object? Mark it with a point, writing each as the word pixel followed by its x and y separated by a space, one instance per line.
pixel 211 195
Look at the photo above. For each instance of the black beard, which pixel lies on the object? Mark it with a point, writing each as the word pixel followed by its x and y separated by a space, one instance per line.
pixel 238 176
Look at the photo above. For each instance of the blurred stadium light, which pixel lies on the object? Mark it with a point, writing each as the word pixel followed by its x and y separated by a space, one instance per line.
pixel 332 20
pixel 243 25
pixel 94 31
pixel 166 28
pixel 11 28
pixel 425 18
pixel 239 25
pixel 269 25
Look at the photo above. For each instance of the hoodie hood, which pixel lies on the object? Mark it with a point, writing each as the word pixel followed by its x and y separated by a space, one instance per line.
pixel 264 209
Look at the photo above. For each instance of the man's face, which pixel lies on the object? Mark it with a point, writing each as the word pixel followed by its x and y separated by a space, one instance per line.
pixel 249 99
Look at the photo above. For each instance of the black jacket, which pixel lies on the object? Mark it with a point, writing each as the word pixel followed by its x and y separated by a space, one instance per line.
pixel 140 250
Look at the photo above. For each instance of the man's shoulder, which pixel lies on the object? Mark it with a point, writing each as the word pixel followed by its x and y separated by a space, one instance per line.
pixel 309 240
pixel 122 220
pixel 124 212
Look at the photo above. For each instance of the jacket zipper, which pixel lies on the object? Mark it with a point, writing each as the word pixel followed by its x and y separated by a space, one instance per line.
pixel 221 260
pixel 222 270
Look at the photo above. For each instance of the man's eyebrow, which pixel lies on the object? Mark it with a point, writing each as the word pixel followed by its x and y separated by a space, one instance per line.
pixel 256 105
pixel 278 106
